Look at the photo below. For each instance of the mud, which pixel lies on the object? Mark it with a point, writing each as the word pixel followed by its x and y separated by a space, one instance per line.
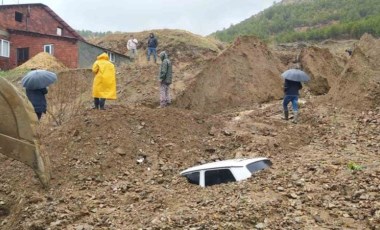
pixel 238 77
pixel 99 184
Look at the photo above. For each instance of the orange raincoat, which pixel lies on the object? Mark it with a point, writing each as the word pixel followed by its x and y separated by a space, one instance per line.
pixel 105 79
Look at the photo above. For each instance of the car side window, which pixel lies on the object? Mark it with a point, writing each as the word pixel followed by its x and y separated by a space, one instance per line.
pixel 259 165
pixel 220 176
pixel 193 178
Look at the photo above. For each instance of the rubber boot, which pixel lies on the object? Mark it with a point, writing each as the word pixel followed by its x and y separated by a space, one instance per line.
pixel 295 118
pixel 96 103
pixel 102 102
pixel 286 115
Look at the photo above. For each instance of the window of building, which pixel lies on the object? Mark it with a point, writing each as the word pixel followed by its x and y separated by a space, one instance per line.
pixel 18 16
pixel 22 55
pixel 220 176
pixel 111 56
pixel 4 48
pixel 49 49
pixel 59 31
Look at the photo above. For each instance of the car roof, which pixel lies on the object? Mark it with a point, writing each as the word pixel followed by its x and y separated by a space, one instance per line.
pixel 232 163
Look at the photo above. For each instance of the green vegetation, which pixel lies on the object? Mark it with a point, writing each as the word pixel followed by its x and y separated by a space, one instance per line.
pixel 13 74
pixel 355 167
pixel 310 20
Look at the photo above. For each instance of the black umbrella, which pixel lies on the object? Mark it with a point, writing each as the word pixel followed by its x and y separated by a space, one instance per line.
pixel 295 75
pixel 38 79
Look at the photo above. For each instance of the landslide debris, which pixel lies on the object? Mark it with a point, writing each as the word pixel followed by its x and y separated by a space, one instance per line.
pixel 358 86
pixel 245 73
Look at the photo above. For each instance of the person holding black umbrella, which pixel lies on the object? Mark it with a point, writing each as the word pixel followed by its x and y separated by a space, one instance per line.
pixel 38 100
pixel 36 83
pixel 293 78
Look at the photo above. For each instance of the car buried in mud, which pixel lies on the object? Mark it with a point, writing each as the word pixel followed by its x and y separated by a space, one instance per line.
pixel 225 171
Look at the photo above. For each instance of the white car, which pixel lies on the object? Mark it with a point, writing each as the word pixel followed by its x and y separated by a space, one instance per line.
pixel 225 171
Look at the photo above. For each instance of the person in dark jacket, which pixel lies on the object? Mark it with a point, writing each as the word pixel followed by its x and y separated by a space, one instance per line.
pixel 38 100
pixel 291 90
pixel 152 47
pixel 165 78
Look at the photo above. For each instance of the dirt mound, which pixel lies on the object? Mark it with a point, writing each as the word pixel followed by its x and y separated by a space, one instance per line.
pixel 43 61
pixel 358 86
pixel 245 73
pixel 182 46
pixel 98 183
pixel 322 67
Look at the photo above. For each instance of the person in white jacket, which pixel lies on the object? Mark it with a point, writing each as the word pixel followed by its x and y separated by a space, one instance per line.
pixel 132 46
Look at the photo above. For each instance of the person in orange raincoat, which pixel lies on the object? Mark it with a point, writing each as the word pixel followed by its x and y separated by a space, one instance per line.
pixel 104 86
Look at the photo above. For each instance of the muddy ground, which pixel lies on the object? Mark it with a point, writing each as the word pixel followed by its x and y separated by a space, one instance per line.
pixel 325 173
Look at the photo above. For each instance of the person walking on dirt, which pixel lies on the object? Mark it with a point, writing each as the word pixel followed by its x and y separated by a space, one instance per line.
pixel 132 46
pixel 152 47
pixel 104 86
pixel 38 100
pixel 165 78
pixel 291 90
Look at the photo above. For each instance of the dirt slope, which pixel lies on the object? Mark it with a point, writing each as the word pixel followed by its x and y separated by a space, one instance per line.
pixel 245 73
pixel 182 46
pixel 138 81
pixel 359 84
pixel 98 183
pixel 322 67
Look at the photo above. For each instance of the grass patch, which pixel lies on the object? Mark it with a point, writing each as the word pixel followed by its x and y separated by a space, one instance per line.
pixel 14 75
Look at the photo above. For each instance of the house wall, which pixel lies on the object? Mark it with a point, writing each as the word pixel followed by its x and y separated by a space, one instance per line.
pixel 4 62
pixel 88 54
pixel 39 20
pixel 65 50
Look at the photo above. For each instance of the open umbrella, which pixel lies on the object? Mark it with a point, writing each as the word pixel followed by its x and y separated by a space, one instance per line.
pixel 295 75
pixel 38 79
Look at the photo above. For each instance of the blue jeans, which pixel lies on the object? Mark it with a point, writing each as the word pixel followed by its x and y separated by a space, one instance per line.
pixel 293 99
pixel 152 51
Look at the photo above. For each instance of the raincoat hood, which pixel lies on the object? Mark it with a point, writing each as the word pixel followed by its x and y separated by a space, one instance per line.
pixel 163 55
pixel 103 56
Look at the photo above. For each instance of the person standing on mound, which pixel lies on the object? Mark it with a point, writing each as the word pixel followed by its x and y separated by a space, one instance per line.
pixel 152 47
pixel 165 78
pixel 104 86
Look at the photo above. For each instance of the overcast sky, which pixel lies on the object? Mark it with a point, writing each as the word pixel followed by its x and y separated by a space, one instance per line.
pixel 198 16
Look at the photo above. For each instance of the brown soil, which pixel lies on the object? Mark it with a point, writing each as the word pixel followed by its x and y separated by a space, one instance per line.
pixel 98 183
pixel 238 77
pixel 359 84
pixel 322 67
pixel 43 61
pixel 182 46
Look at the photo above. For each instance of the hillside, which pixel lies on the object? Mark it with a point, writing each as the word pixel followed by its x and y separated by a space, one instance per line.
pixel 180 44
pixel 325 172
pixel 310 20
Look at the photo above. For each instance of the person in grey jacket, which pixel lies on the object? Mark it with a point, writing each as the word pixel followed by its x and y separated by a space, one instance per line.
pixel 165 78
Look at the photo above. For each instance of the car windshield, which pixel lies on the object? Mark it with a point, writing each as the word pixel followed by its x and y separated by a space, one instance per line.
pixel 193 178
pixel 259 165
